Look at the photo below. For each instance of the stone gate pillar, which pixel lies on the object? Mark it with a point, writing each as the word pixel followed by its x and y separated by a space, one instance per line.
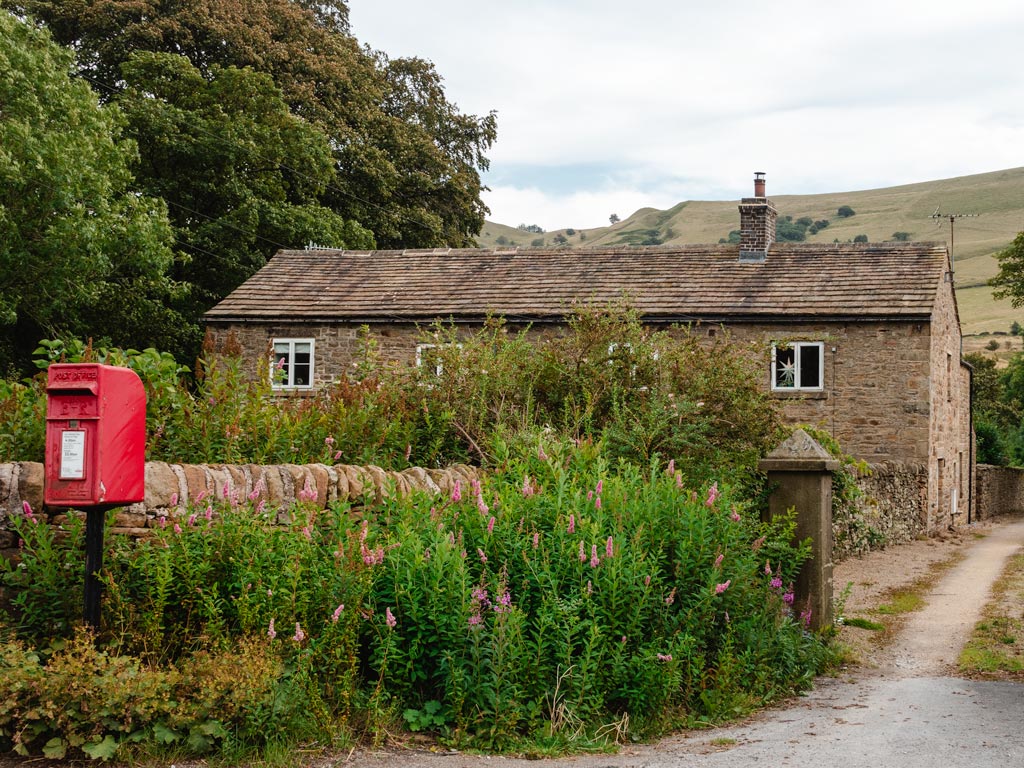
pixel 800 475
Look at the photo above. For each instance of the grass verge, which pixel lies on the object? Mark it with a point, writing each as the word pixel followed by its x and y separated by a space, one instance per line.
pixel 996 648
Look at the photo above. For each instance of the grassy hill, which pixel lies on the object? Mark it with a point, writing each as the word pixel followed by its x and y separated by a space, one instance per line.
pixel 997 197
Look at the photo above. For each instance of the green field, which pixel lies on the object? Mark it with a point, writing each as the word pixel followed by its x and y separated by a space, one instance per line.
pixel 997 198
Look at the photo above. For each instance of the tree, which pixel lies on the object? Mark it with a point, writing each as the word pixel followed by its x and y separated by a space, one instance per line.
pixel 406 161
pixel 845 211
pixel 1009 281
pixel 80 250
pixel 901 237
pixel 860 239
pixel 614 218
pixel 242 176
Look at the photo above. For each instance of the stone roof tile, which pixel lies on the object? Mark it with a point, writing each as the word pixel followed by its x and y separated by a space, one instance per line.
pixel 673 283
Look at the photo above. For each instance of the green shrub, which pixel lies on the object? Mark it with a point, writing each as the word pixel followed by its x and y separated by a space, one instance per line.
pixel 845 211
pixel 559 597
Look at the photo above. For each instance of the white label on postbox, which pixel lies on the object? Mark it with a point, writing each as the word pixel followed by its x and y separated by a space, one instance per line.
pixel 72 455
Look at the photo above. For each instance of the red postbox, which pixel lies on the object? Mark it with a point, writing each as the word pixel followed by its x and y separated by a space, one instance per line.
pixel 95 436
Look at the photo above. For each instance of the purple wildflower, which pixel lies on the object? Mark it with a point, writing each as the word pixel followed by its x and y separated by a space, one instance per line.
pixel 337 613
pixel 720 588
pixel 767 567
pixel 174 500
pixel 389 618
pixel 572 524
pixel 788 597
pixel 713 494
pixel 457 491
pixel 597 502
pixel 599 487
pixel 540 453
pixel 664 657
pixel 609 547
pixel 299 635
pixel 483 557
pixel 270 630
pixel 719 559
pixel 583 552
pixel 775 583
pixel 536 540
pixel 671 597
pixel 328 440
pixel 594 559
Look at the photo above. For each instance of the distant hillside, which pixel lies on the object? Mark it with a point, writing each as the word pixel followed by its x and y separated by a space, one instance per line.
pixel 879 214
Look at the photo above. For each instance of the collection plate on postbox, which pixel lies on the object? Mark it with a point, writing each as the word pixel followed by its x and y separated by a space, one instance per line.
pixel 95 436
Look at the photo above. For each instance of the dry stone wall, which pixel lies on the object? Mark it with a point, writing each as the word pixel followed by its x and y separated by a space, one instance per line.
pixel 1000 492
pixel 170 488
pixel 893 510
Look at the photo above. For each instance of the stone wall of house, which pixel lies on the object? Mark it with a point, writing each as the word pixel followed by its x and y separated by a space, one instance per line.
pixel 171 487
pixel 893 510
pixel 1000 492
pixel 950 476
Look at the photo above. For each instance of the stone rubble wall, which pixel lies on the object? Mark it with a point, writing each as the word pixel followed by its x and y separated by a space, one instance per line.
pixel 1000 492
pixel 170 488
pixel 893 510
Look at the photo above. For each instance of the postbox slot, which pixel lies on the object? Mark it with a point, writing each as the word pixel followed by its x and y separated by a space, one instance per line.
pixel 72 388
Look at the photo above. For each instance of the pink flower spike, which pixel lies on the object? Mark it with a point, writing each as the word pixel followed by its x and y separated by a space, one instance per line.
pixel 408 451
pixel 540 453
pixel 775 583
pixel 202 495
pixel 337 613
pixel 174 500
pixel 457 491
pixel 594 559
pixel 671 467
pixel 735 516
pixel 713 494
pixel 163 521
pixel 788 597
pixel 583 552
pixel 337 455
pixel 600 486
pixel 572 523
pixel 328 440
pixel 280 364
pixel 299 635
pixel 481 505
pixel 389 618
pixel 209 512
pixel 720 588
pixel 647 580
pixel 27 509
pixel 590 495
pixel 490 525
pixel 192 520
pixel 664 657
pixel 609 547
pixel 481 555
pixel 597 503
pixel 536 540
pixel 719 559
pixel 671 597
pixel 270 630
pixel 177 528
pixel 767 568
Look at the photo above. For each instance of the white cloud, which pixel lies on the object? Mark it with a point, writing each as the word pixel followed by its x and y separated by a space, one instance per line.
pixel 688 98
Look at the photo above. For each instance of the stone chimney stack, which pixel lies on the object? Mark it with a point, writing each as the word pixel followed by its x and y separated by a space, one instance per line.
pixel 757 223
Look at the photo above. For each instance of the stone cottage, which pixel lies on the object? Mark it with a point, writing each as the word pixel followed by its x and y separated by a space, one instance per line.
pixel 861 339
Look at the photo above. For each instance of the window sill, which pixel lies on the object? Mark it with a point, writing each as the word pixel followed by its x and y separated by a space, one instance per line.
pixel 800 394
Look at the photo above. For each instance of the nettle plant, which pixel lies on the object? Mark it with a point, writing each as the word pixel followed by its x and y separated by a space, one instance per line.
pixel 562 603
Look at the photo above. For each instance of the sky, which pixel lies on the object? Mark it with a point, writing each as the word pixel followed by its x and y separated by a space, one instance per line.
pixel 608 107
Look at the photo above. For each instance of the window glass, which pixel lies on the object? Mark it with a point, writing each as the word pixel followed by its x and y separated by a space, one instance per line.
pixel 292 365
pixel 798 366
pixel 810 366
pixel 785 368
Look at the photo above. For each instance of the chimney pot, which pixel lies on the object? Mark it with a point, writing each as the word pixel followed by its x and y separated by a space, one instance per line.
pixel 758 183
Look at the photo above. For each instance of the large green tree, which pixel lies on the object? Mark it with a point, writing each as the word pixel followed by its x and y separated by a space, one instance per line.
pixel 242 176
pixel 406 160
pixel 81 252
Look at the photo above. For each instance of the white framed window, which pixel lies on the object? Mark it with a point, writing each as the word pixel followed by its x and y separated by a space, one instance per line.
pixel 799 365
pixel 292 366
pixel 428 356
